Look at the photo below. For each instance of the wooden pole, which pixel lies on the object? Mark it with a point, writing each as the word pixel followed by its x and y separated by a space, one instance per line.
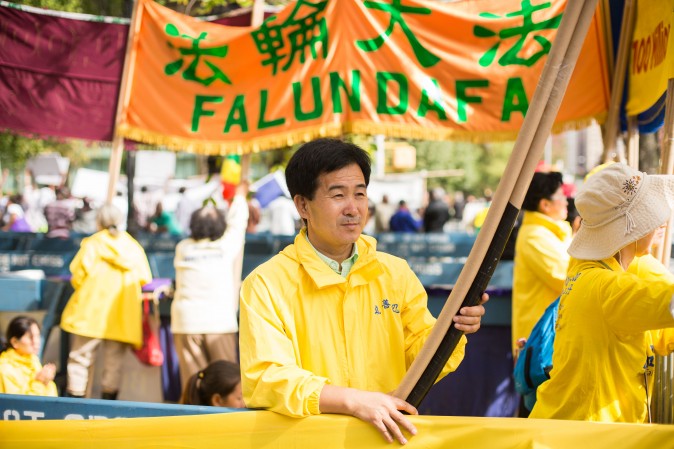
pixel 633 142
pixel 118 141
pixel 613 118
pixel 256 19
pixel 508 199
pixel 662 403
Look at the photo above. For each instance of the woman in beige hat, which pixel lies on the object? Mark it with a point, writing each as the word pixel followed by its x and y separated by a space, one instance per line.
pixel 601 360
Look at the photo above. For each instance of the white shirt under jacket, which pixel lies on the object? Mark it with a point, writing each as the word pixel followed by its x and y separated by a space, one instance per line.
pixel 205 301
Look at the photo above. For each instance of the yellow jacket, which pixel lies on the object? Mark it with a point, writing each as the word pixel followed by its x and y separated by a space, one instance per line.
pixel 302 326
pixel 661 341
pixel 539 269
pixel 17 375
pixel 602 344
pixel 107 274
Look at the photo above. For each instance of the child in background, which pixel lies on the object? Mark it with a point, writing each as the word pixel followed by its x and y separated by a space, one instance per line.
pixel 218 385
pixel 20 369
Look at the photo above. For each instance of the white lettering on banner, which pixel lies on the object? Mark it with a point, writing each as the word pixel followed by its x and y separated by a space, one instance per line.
pixel 15 415
pixel 34 415
pixel 47 260
pixel 429 269
pixel 20 260
pixel 75 416
pixel 4 262
pixel 18 415
pixel 11 415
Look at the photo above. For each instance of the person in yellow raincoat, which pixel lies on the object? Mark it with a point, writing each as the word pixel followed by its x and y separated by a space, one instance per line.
pixel 20 369
pixel 331 325
pixel 541 260
pixel 609 317
pixel 105 310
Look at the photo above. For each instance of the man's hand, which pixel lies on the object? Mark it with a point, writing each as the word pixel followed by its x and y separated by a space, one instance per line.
pixel 468 319
pixel 379 409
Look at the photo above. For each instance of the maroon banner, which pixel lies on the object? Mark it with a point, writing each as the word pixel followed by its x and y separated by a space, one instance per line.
pixel 60 77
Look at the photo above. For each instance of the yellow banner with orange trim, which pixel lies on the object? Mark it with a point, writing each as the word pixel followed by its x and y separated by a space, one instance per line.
pixel 409 69
pixel 651 54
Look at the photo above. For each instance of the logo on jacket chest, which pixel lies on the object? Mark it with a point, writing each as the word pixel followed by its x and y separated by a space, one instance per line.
pixel 386 305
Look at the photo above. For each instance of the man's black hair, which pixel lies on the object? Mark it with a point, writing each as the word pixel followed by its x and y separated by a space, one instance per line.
pixel 543 186
pixel 322 156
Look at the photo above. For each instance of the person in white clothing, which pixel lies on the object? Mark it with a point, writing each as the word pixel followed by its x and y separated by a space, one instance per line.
pixel 205 304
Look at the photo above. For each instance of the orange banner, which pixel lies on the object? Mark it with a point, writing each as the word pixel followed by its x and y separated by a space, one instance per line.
pixel 410 69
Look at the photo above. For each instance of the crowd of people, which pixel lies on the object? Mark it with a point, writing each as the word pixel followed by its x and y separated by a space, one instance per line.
pixel 331 325
pixel 441 213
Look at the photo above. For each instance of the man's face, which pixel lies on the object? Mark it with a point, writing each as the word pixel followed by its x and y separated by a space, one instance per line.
pixel 338 212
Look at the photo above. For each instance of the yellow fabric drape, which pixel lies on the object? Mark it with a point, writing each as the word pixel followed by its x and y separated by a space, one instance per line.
pixel 261 429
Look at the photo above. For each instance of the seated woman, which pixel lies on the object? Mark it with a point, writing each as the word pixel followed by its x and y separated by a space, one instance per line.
pixel 601 360
pixel 219 385
pixel 20 369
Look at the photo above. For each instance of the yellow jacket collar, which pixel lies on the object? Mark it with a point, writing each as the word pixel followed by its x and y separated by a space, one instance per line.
pixel 561 228
pixel 27 361
pixel 366 268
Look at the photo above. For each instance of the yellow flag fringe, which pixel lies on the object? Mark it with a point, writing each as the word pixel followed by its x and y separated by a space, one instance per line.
pixel 367 128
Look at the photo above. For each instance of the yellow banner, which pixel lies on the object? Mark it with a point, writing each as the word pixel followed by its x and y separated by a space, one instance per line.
pixel 412 69
pixel 257 430
pixel 651 54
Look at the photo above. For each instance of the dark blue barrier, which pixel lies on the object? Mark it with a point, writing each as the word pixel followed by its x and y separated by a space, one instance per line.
pixel 53 245
pixel 17 407
pixel 498 309
pixel 445 274
pixel 20 294
pixel 52 263
pixel 157 242
pixel 257 244
pixel 482 385
pixel 17 241
pixel 250 262
pixel 439 278
pixel 431 245
pixel 161 265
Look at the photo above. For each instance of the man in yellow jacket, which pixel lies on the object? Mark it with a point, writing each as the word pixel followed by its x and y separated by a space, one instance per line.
pixel 330 325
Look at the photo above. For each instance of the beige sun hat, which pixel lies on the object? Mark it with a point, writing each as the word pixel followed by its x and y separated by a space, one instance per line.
pixel 618 206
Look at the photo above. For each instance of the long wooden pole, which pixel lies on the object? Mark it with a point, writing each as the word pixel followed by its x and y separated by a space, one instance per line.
pixel 662 404
pixel 613 118
pixel 117 140
pixel 633 142
pixel 256 19
pixel 504 209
